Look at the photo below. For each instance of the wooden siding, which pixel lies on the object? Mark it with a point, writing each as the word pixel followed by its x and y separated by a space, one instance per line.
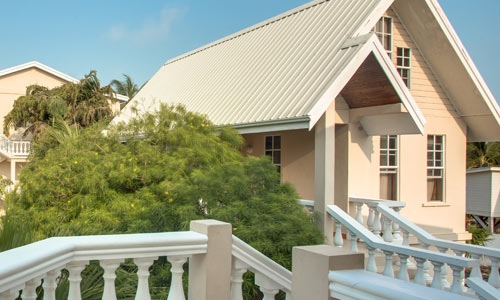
pixel 424 87
pixel 479 193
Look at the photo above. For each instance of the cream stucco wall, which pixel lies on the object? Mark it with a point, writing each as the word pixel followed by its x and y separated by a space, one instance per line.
pixel 13 85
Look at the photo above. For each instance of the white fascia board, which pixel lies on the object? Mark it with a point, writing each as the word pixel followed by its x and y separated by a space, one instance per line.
pixel 464 58
pixel 373 17
pixel 273 126
pixel 397 83
pixel 35 64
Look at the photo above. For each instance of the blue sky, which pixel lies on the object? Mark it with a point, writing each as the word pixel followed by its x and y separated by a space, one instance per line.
pixel 136 37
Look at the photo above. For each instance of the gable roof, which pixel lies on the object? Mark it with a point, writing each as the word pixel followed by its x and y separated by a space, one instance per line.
pixel 284 72
pixel 281 73
pixel 35 64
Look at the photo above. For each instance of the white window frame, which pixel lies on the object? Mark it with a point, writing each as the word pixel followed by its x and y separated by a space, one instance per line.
pixel 436 163
pixel 274 151
pixel 390 166
pixel 385 34
pixel 403 64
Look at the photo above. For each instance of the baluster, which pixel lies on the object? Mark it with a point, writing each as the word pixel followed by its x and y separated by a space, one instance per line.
pixel 395 227
pixel 143 265
pixel 388 270
pixel 75 269
pixel 444 271
pixel 11 294
pixel 50 285
pixel 377 225
pixel 354 241
pixel 406 238
pixel 476 270
pixel 359 212
pixel 237 271
pixel 29 291
pixel 403 267
pixel 371 265
pixel 109 276
pixel 338 241
pixel 268 288
pixel 462 272
pixel 494 278
pixel 427 266
pixel 387 235
pixel 176 290
pixel 419 276
pixel 456 286
pixel 371 217
pixel 436 280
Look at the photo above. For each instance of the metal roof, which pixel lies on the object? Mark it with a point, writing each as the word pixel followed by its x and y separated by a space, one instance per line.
pixel 277 71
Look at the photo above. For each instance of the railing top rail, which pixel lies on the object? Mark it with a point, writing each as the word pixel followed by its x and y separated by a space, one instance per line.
pixel 34 260
pixel 258 262
pixel 374 201
pixel 373 241
pixel 429 239
pixel 483 289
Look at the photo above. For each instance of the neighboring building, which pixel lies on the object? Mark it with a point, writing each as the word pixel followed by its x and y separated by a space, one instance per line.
pixel 483 197
pixel 350 98
pixel 14 149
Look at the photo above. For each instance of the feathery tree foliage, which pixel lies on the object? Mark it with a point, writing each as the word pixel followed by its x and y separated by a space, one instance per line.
pixel 155 174
pixel 125 87
pixel 483 154
pixel 80 104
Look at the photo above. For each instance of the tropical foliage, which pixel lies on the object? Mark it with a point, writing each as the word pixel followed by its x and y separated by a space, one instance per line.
pixel 157 173
pixel 483 154
pixel 80 104
pixel 125 87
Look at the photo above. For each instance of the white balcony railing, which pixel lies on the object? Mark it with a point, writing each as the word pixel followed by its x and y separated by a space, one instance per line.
pixel 18 149
pixel 212 265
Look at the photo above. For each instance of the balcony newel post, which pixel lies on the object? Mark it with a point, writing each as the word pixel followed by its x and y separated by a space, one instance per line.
pixel 176 289
pixel 50 285
pixel 109 267
pixel 75 269
pixel 238 269
pixel 143 265
pixel 203 283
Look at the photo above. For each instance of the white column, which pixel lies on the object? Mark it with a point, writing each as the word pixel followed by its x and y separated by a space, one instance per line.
pixel 143 265
pixel 109 276
pixel 324 171
pixel 13 171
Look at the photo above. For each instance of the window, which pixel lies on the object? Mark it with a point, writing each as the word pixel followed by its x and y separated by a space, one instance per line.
pixel 435 168
pixel 403 64
pixel 383 30
pixel 273 149
pixel 389 167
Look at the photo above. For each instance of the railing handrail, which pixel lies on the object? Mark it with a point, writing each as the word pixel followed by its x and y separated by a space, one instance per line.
pixel 16 148
pixel 375 242
pixel 427 238
pixel 34 260
pixel 483 290
pixel 259 263
pixel 389 203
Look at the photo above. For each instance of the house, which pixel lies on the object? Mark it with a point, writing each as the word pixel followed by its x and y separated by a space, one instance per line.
pixel 14 149
pixel 483 196
pixel 374 99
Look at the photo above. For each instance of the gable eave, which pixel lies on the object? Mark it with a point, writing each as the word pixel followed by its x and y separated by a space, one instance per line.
pixel 452 66
pixel 40 66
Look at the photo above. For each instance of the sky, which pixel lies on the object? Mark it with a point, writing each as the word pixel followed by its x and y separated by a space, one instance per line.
pixel 135 37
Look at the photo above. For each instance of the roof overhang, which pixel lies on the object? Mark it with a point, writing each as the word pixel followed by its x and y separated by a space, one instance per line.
pixel 452 66
pixel 371 80
pixel 40 66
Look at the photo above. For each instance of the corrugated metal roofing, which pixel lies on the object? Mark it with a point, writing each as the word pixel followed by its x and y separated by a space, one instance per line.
pixel 275 70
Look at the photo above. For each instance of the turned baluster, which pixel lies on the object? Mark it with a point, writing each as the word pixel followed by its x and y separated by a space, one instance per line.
pixel 419 276
pixel 338 240
pixel 387 235
pixel 388 269
pixel 457 284
pixel 371 265
pixel 396 228
pixel 377 225
pixel 75 269
pixel 354 241
pixel 268 288
pixel 359 212
pixel 143 265
pixel 237 271
pixel 436 280
pixel 427 266
pixel 371 217
pixel 403 267
pixel 109 267
pixel 29 291
pixel 494 278
pixel 50 285
pixel 176 290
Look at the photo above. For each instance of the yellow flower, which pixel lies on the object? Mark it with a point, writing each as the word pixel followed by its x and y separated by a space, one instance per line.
pixel 235 228
pixel 75 162
pixel 166 193
pixel 82 206
pixel 132 205
pixel 69 201
pixel 171 200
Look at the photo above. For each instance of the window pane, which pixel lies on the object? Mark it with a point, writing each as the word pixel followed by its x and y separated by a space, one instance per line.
pixel 269 142
pixel 277 142
pixel 383 142
pixel 277 157
pixel 435 189
pixel 388 186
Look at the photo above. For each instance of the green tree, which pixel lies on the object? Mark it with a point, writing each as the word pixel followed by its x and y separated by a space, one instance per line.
pixel 125 87
pixel 483 154
pixel 80 104
pixel 157 173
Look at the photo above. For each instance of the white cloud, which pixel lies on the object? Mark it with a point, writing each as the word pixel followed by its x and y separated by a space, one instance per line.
pixel 151 30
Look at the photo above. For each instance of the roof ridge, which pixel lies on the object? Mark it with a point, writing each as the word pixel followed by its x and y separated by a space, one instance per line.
pixel 249 29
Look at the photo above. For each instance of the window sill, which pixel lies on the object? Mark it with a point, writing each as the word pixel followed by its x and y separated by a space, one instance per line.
pixel 435 204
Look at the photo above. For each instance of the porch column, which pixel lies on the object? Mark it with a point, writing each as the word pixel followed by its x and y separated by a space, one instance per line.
pixel 324 170
pixel 13 171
